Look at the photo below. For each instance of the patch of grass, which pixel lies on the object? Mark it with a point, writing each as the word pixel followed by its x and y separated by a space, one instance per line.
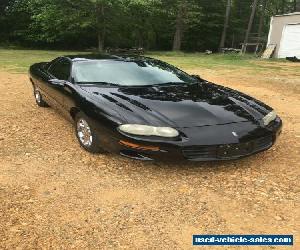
pixel 196 60
pixel 226 62
pixel 19 60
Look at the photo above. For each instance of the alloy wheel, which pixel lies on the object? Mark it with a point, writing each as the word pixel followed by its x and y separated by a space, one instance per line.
pixel 84 133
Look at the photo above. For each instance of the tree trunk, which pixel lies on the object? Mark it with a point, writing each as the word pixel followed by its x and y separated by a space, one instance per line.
pixel 179 27
pixel 233 41
pixel 100 41
pixel 297 5
pixel 261 19
pixel 282 6
pixel 254 5
pixel 140 39
pixel 226 22
pixel 100 26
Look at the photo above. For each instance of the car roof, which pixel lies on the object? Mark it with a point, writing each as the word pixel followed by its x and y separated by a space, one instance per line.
pixel 88 57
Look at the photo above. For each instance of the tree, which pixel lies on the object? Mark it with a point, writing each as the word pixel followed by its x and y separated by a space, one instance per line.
pixel 179 25
pixel 100 24
pixel 296 5
pixel 226 22
pixel 3 20
pixel 139 20
pixel 262 18
pixel 283 3
pixel 190 25
pixel 254 5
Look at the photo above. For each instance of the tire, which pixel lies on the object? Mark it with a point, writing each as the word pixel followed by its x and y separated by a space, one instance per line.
pixel 86 135
pixel 39 98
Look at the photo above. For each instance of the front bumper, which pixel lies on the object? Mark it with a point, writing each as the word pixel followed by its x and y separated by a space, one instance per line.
pixel 208 143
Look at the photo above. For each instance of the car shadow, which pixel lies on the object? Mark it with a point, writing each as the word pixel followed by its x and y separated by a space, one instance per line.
pixel 212 166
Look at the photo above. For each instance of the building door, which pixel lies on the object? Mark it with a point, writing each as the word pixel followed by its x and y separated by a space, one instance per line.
pixel 290 41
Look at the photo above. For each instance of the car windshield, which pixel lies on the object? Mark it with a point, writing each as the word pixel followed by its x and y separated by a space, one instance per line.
pixel 129 73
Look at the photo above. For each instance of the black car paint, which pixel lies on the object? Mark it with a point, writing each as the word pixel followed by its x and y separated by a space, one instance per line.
pixel 204 113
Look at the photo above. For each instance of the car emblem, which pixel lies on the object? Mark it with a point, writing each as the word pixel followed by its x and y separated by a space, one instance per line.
pixel 235 134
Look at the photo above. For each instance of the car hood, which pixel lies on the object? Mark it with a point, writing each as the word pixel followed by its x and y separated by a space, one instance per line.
pixel 189 105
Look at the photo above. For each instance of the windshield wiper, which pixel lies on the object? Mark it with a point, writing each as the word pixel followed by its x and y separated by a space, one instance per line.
pixel 170 84
pixel 100 83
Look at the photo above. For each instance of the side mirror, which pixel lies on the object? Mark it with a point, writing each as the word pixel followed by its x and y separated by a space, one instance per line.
pixel 197 77
pixel 57 82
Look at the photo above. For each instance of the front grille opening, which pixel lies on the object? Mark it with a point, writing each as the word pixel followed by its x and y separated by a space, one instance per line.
pixel 134 155
pixel 205 152
pixel 227 151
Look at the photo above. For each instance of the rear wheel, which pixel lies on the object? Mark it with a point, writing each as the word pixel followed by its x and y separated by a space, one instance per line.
pixel 39 98
pixel 86 135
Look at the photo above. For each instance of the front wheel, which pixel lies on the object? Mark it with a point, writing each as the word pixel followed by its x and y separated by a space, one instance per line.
pixel 39 98
pixel 86 135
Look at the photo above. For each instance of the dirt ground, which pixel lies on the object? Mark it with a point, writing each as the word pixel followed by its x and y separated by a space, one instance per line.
pixel 55 195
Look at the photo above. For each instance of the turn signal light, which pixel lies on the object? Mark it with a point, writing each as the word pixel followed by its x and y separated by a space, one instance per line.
pixel 137 146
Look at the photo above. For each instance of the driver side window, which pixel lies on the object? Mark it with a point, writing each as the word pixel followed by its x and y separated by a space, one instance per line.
pixel 61 69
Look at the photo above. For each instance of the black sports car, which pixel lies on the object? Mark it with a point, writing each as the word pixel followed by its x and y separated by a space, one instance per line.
pixel 146 109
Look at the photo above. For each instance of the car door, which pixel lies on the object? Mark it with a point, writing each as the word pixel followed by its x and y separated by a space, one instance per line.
pixel 42 81
pixel 59 73
pixel 69 98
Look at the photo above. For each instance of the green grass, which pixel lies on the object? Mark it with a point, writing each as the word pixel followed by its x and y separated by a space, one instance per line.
pixel 196 60
pixel 19 60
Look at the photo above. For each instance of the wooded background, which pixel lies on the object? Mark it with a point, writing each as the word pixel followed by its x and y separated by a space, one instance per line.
pixel 190 25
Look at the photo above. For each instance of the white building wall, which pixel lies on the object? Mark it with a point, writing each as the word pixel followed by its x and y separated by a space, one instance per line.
pixel 277 26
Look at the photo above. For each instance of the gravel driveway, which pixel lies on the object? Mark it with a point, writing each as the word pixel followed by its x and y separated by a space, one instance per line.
pixel 55 195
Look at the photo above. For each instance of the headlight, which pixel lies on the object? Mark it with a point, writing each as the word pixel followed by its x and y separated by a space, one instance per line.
pixel 269 117
pixel 137 129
